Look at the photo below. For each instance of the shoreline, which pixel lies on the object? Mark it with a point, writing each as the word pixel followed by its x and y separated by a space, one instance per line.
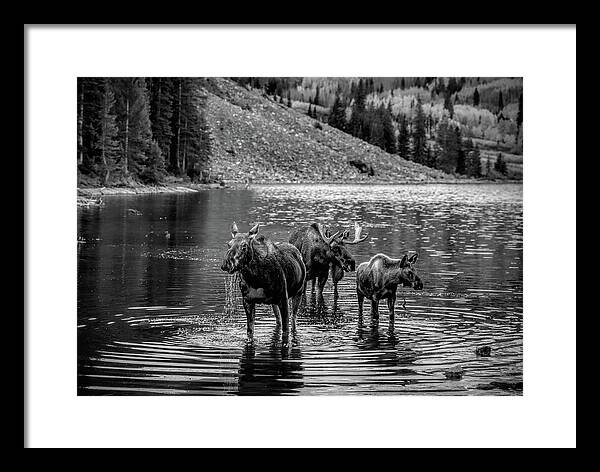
pixel 96 192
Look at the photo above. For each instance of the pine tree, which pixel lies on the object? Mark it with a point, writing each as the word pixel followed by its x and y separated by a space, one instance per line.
pixel 419 138
pixel 403 138
pixel 358 110
pixel 133 121
pixel 431 157
pixel 161 112
pixel 337 118
pixel 519 121
pixel 370 85
pixel 461 165
pixel 389 133
pixel 271 86
pixel 108 144
pixel 194 131
pixel 176 123
pixel 520 113
pixel 452 86
pixel 289 99
pixel 476 98
pixel 90 113
pixel 473 164
pixel 154 171
pixel 80 101
pixel 429 123
pixel 500 164
pixel 440 86
pixel 446 144
pixel 500 102
pixel 374 122
pixel 317 97
pixel 448 104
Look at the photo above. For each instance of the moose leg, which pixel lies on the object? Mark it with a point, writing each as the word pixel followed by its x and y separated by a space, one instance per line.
pixel 375 309
pixel 391 301
pixel 285 320
pixel 321 286
pixel 295 305
pixel 303 294
pixel 277 314
pixel 335 300
pixel 249 307
pixel 361 299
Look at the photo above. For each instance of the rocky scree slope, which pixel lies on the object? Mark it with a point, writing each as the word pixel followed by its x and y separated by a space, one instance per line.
pixel 255 138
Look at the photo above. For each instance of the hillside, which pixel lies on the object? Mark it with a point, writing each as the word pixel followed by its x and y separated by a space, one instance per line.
pixel 487 108
pixel 252 136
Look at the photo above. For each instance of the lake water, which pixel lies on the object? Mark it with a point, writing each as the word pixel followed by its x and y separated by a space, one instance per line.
pixel 156 315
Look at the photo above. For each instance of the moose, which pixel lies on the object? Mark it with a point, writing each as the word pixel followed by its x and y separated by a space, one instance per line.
pixel 322 252
pixel 269 274
pixel 379 278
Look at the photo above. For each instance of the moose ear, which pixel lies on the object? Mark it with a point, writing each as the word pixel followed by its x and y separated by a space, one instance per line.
pixel 413 258
pixel 234 229
pixel 254 230
pixel 404 261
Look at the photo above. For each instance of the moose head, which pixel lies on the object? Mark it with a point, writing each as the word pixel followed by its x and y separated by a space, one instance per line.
pixel 239 249
pixel 408 276
pixel 337 244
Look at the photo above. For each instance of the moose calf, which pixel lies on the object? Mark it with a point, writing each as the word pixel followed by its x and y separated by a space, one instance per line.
pixel 379 278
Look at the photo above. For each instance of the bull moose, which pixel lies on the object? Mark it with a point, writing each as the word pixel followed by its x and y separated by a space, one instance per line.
pixel 379 278
pixel 269 274
pixel 323 252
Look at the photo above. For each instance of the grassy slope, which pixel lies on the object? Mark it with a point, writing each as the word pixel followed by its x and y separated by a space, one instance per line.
pixel 252 136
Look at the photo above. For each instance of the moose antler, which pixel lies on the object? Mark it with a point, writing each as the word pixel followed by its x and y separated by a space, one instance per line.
pixel 357 235
pixel 254 230
pixel 327 239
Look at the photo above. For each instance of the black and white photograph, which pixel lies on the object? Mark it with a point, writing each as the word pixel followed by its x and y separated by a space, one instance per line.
pixel 327 238
pixel 300 235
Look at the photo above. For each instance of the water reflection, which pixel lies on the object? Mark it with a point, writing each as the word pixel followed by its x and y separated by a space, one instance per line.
pixel 275 371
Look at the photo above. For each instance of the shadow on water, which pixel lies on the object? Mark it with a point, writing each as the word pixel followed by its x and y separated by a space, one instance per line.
pixel 273 371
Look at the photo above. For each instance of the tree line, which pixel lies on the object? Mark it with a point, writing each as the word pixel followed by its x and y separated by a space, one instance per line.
pixel 448 152
pixel 376 110
pixel 140 129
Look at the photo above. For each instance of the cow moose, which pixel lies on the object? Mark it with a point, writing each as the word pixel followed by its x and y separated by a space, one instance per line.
pixel 323 252
pixel 269 274
pixel 379 278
